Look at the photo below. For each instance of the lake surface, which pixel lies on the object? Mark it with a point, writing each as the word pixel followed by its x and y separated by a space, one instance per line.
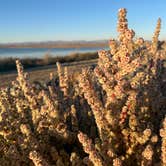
pixel 40 52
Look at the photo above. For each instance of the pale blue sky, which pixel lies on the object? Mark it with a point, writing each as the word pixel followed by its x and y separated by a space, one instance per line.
pixel 51 20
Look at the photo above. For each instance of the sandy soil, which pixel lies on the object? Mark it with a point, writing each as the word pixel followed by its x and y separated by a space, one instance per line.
pixel 41 74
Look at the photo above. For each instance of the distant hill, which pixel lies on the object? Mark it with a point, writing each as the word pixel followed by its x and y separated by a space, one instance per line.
pixel 56 44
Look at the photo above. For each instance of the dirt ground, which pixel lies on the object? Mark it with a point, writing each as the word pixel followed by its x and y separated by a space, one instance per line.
pixel 41 74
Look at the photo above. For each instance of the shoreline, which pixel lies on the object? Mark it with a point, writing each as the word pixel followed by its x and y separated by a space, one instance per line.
pixel 8 64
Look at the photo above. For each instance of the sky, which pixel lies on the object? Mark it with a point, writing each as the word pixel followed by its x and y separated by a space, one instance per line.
pixel 52 20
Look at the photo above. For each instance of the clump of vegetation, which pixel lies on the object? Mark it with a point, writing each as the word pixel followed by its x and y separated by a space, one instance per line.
pixel 8 64
pixel 114 114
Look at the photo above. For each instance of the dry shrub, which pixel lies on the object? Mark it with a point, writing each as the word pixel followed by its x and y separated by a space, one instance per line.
pixel 114 114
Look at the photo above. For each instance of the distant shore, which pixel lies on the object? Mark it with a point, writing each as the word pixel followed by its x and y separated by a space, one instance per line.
pixel 60 44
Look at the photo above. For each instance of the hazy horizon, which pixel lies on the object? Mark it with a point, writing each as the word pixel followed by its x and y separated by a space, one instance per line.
pixel 62 20
pixel 75 41
pixel 45 41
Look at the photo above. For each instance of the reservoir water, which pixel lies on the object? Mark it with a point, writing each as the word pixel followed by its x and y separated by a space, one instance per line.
pixel 40 52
